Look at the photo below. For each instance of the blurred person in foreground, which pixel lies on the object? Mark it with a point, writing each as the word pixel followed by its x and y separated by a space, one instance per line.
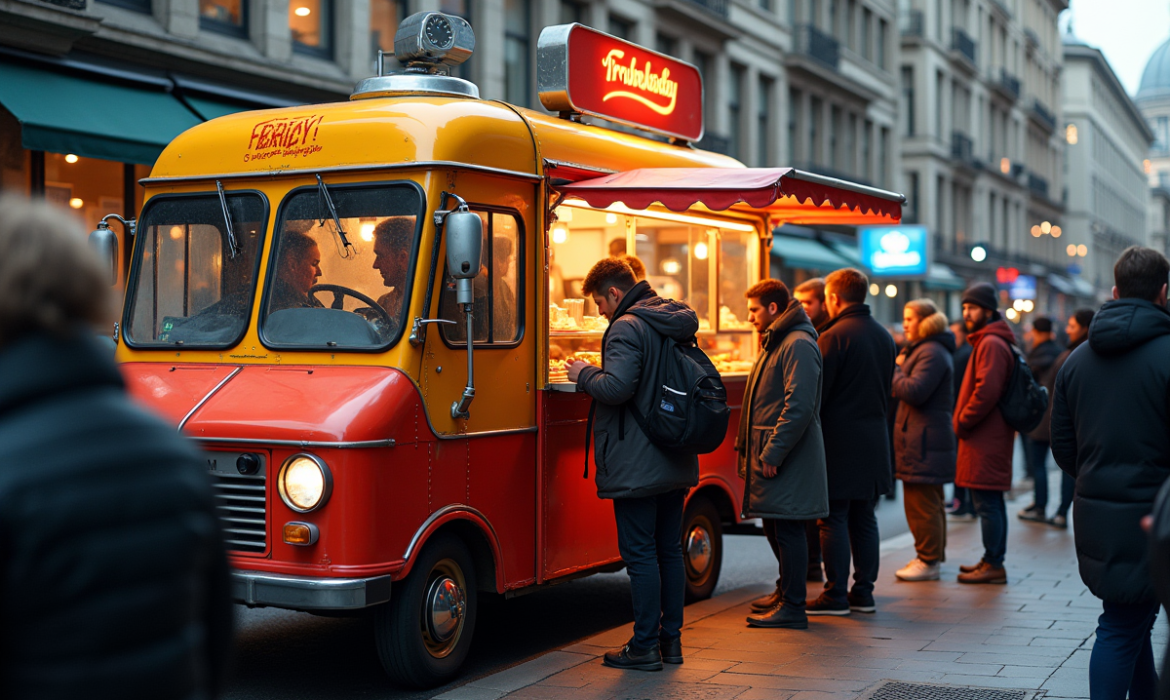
pixel 1041 360
pixel 781 449
pixel 1077 330
pixel 811 295
pixel 959 507
pixel 924 441
pixel 1109 430
pixel 113 579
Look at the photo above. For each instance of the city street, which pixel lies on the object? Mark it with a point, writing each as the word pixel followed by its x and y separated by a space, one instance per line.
pixel 297 656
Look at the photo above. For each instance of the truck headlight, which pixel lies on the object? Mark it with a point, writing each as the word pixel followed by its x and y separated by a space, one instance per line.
pixel 304 483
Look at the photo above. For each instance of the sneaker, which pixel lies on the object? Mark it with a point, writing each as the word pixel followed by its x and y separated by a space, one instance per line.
pixel 1033 513
pixel 1060 521
pixel 826 606
pixel 630 658
pixel 918 570
pixel 814 573
pixel 766 602
pixel 671 650
pixel 781 616
pixel 986 573
pixel 861 604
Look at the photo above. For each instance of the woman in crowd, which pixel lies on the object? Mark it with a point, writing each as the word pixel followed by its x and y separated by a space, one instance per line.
pixel 924 441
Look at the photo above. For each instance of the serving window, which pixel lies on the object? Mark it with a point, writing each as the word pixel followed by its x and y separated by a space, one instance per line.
pixel 707 263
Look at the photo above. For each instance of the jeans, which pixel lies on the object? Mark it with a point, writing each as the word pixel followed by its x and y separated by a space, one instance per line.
pixel 926 515
pixel 1036 459
pixel 962 496
pixel 649 533
pixel 1122 660
pixel 993 520
pixel 850 528
pixel 1068 488
pixel 812 535
pixel 790 545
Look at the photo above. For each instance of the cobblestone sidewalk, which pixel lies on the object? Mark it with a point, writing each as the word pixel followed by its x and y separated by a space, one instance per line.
pixel 1035 633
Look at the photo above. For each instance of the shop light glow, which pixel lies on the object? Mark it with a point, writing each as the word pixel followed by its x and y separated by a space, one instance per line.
pixel 1035 231
pixel 1082 250
pixel 560 234
pixel 701 251
pixel 1012 314
pixel 1070 134
pixel 1045 227
pixel 176 232
pixel 1029 306
pixel 1005 165
pixel 367 232
pixel 978 253
pixel 1018 304
pixel 1071 250
pixel 302 12
pixel 620 208
pixel 76 203
pixel 1056 232
pixel 891 290
pixel 671 266
pixel 611 219
pixel 71 159
pixel 874 290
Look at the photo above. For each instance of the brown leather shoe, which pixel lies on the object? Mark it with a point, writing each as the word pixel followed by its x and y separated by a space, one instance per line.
pixel 968 568
pixel 765 603
pixel 985 573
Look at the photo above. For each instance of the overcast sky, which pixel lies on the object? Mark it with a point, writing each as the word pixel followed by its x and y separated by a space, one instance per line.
pixel 1126 31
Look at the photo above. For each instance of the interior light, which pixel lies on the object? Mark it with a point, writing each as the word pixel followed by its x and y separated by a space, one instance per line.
pixel 891 290
pixel 1005 165
pixel 1012 314
pixel 1082 250
pixel 1070 134
pixel 302 12
pixel 76 203
pixel 1045 227
pixel 671 266
pixel 611 219
pixel 701 251
pixel 1147 166
pixel 70 158
pixel 1036 232
pixel 1056 232
pixel 560 234
pixel 367 232
pixel 176 232
pixel 978 253
pixel 1071 249
pixel 620 208
pixel 874 290
pixel 1028 306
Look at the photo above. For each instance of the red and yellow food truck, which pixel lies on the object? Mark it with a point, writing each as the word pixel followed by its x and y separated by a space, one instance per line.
pixel 361 312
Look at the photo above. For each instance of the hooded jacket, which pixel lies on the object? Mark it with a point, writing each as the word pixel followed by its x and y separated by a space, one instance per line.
pixel 858 368
pixel 924 439
pixel 985 438
pixel 113 579
pixel 781 425
pixel 627 464
pixel 1111 430
pixel 1042 362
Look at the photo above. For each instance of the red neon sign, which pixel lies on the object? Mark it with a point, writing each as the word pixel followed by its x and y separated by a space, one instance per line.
pixel 1006 275
pixel 584 70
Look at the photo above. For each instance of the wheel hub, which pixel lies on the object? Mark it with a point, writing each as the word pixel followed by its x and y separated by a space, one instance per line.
pixel 699 549
pixel 445 607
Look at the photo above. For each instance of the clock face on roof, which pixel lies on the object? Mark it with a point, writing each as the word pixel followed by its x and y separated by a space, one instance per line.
pixel 439 32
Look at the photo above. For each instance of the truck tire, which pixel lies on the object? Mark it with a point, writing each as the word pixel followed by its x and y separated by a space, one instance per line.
pixel 702 544
pixel 424 633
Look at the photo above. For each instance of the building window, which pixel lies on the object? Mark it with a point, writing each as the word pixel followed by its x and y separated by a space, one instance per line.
pixel 734 115
pixel 834 137
pixel 572 12
pixel 793 124
pixel 883 28
pixel 224 16
pixel 833 18
pixel 850 19
pixel 621 28
pixel 664 43
pixel 940 104
pixel 910 212
pixel 136 5
pixel 908 106
pixel 866 146
pixel 940 196
pixel 764 123
pixel 765 5
pixel 851 144
pixel 311 22
pixel 1161 128
pixel 883 157
pixel 866 33
pixel 385 16
pixel 814 118
pixel 517 23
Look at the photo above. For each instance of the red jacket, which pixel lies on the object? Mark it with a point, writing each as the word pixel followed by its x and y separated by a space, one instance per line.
pixel 985 438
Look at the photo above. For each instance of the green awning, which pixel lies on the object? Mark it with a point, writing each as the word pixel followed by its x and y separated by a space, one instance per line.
pixel 940 276
pixel 211 109
pixel 806 254
pixel 70 114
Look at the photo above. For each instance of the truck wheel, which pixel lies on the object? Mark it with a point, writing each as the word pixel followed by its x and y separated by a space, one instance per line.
pixel 424 632
pixel 702 544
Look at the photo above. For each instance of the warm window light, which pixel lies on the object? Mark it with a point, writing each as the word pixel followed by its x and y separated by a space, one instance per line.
pixel 891 290
pixel 1045 227
pixel 560 234
pixel 1056 232
pixel 367 232
pixel 1070 134
pixel 611 219
pixel 76 203
pixel 874 290
pixel 620 208
pixel 1035 231
pixel 1147 166
pixel 1071 250
pixel 302 12
pixel 1005 165
pixel 671 266
pixel 701 251
pixel 1082 250
pixel 70 159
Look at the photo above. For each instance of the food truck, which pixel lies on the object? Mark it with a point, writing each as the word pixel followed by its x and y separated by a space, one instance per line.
pixel 362 313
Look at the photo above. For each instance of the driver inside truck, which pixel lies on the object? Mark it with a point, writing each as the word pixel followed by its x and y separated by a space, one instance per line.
pixel 298 271
pixel 392 241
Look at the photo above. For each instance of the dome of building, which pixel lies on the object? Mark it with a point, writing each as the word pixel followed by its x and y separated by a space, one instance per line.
pixel 1156 76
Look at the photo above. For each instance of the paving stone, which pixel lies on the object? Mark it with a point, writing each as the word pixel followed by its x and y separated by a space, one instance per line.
pixel 1013 659
pixel 532 672
pixel 469 693
pixel 765 694
pixel 789 682
pixel 1068 681
pixel 1080 659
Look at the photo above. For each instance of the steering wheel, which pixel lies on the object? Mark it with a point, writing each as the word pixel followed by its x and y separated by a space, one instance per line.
pixel 339 293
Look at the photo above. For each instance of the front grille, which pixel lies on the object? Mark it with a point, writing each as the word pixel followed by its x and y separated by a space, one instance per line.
pixel 241 501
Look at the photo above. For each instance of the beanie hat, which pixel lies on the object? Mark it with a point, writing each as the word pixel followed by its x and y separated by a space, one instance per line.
pixel 1042 324
pixel 982 294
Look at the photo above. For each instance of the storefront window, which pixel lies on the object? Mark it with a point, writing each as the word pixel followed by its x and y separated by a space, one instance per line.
pixel 498 312
pixel 385 16
pixel 311 23
pixel 224 16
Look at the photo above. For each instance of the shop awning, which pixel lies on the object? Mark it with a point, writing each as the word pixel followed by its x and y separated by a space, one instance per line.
pixel 806 254
pixel 1083 288
pixel 786 195
pixel 939 276
pixel 1062 284
pixel 68 114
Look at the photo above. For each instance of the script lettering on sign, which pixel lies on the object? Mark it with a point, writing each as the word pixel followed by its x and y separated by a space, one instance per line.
pixel 284 136
pixel 642 79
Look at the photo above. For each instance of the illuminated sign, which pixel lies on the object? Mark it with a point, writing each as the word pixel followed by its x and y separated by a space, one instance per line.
pixel 1023 287
pixel 585 71
pixel 895 251
pixel 1006 275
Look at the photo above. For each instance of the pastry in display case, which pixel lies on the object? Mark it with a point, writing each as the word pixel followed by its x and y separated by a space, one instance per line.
pixel 558 370
pixel 729 322
pixel 572 319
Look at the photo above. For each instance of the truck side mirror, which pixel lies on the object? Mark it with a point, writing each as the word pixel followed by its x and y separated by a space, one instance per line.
pixel 105 243
pixel 464 250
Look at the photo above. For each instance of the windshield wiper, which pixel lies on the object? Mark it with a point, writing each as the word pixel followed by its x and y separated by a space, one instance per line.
pixel 233 246
pixel 324 193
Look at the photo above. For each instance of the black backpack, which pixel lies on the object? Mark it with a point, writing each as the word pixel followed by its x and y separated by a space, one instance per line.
pixel 1024 400
pixel 689 413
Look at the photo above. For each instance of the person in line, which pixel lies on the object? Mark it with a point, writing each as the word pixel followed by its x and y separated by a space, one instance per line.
pixel 960 507
pixel 780 445
pixel 985 439
pixel 113 577
pixel 648 485
pixel 1077 330
pixel 924 442
pixel 811 295
pixel 1041 360
pixel 858 368
pixel 298 270
pixel 636 265
pixel 1109 431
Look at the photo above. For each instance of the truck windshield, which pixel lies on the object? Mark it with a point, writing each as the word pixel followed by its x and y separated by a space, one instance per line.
pixel 324 294
pixel 187 288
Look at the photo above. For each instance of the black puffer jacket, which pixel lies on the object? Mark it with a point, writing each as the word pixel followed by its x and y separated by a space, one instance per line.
pixel 113 580
pixel 1042 361
pixel 627 464
pixel 1111 430
pixel 855 395
pixel 924 440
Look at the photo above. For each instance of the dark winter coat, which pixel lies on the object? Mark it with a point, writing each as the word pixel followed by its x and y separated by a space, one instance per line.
pixel 985 438
pixel 961 357
pixel 924 439
pixel 113 579
pixel 855 395
pixel 627 464
pixel 780 424
pixel 1042 362
pixel 1110 431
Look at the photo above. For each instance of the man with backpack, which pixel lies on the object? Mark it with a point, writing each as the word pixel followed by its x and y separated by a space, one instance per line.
pixel 781 449
pixel 648 484
pixel 985 438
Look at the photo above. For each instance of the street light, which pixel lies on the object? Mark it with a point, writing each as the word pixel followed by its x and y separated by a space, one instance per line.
pixel 978 253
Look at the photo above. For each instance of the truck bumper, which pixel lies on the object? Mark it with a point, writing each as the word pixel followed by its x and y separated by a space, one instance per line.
pixel 308 593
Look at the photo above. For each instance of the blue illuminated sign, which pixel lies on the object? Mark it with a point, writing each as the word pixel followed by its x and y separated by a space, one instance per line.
pixel 1023 288
pixel 895 251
